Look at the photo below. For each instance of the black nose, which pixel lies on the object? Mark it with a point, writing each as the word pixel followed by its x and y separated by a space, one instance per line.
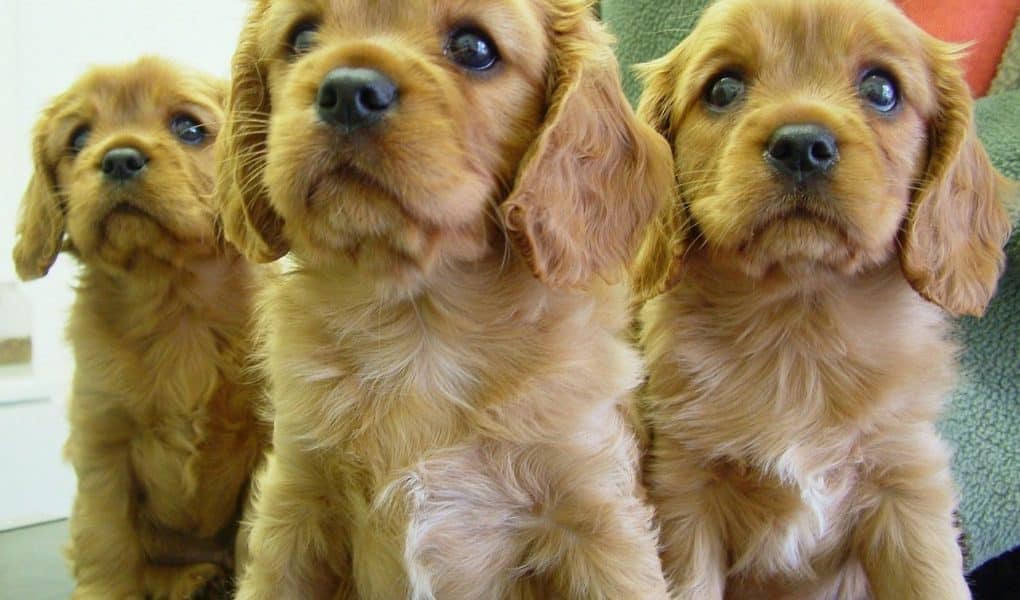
pixel 123 164
pixel 355 98
pixel 802 151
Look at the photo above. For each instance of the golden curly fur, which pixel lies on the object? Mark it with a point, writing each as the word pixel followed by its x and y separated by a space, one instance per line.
pixel 798 356
pixel 163 429
pixel 448 365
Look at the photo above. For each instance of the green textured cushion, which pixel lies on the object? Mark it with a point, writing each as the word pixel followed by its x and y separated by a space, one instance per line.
pixel 647 29
pixel 983 420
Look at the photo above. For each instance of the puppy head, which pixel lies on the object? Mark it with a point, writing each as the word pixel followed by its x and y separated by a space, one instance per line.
pixel 404 134
pixel 123 170
pixel 830 136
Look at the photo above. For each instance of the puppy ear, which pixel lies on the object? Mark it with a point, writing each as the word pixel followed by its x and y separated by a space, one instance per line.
pixel 595 175
pixel 249 220
pixel 659 80
pixel 952 243
pixel 41 223
pixel 658 265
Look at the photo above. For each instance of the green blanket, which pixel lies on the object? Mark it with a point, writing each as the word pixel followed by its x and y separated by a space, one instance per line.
pixel 983 419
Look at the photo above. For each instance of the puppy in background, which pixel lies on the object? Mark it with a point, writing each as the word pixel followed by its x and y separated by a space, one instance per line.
pixel 835 209
pixel 163 429
pixel 449 371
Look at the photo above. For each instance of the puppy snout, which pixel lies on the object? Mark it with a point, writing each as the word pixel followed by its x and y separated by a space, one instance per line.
pixel 123 164
pixel 355 98
pixel 802 151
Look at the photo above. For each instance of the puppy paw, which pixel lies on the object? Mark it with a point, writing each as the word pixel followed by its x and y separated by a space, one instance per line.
pixel 89 592
pixel 204 581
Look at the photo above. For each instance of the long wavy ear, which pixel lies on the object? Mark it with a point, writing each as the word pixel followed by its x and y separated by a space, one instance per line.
pixel 658 266
pixel 41 223
pixel 952 242
pixel 249 220
pixel 595 175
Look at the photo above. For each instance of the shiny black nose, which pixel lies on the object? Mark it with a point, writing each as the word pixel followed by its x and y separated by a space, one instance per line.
pixel 123 164
pixel 354 98
pixel 802 151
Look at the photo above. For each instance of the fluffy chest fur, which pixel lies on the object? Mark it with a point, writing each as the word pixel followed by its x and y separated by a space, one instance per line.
pixel 387 394
pixel 160 373
pixel 776 402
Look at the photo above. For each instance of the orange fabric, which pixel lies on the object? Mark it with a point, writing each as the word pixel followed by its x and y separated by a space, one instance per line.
pixel 988 23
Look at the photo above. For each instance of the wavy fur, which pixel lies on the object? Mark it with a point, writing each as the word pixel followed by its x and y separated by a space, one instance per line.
pixel 164 435
pixel 448 365
pixel 797 344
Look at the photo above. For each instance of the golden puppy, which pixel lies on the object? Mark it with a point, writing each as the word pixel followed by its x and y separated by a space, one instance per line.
pixel 832 196
pixel 449 369
pixel 163 429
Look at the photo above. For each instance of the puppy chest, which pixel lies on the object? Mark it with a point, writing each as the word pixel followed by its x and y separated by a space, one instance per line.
pixel 784 530
pixel 190 470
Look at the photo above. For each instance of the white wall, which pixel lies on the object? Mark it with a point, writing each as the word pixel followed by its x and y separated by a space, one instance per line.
pixel 45 45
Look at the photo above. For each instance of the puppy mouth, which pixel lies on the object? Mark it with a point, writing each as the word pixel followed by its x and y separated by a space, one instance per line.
pixel 814 209
pixel 349 173
pixel 128 209
pixel 799 234
pixel 363 196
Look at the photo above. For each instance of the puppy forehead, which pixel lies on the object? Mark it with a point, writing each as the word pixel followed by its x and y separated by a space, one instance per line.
pixel 135 93
pixel 780 40
pixel 518 17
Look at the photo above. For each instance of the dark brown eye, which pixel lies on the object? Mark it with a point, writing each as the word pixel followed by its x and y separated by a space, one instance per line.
pixel 188 129
pixel 79 139
pixel 303 38
pixel 724 91
pixel 472 49
pixel 878 89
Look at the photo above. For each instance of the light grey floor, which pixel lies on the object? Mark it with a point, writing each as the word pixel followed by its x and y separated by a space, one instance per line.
pixel 32 566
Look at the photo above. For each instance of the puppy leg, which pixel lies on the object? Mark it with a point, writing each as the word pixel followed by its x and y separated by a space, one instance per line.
pixel 105 551
pixel 693 551
pixel 292 545
pixel 499 521
pixel 462 537
pixel 906 539
pixel 203 581
pixel 600 545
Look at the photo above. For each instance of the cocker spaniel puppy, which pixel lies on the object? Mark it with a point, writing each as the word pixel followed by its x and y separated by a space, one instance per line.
pixel 455 182
pixel 163 429
pixel 833 199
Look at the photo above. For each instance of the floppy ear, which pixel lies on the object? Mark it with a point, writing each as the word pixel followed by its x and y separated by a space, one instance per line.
pixel 952 242
pixel 41 223
pixel 658 265
pixel 249 220
pixel 659 79
pixel 595 175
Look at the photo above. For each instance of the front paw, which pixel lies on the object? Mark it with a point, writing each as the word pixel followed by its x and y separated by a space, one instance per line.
pixel 90 592
pixel 204 581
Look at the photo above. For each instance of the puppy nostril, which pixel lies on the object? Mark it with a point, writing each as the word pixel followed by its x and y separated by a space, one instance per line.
pixel 327 98
pixel 820 151
pixel 375 98
pixel 781 149
pixel 134 163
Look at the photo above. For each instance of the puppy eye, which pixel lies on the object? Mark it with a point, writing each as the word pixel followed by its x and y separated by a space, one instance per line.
pixel 472 49
pixel 79 138
pixel 879 90
pixel 302 38
pixel 724 91
pixel 188 130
